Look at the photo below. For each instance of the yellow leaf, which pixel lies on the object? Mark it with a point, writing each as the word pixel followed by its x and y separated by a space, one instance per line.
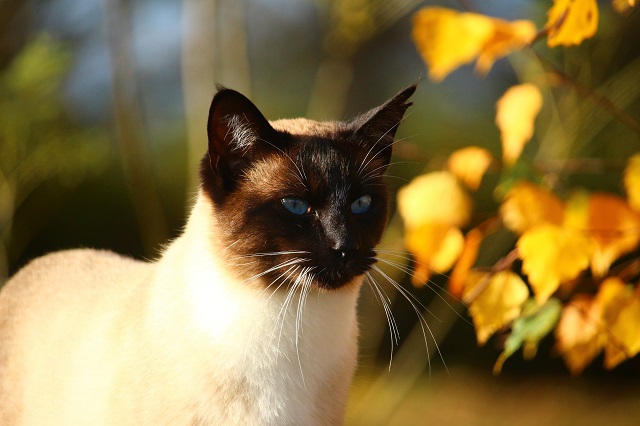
pixel 571 21
pixel 435 197
pixel 433 207
pixel 613 298
pixel 449 251
pixel 469 164
pixel 436 247
pixel 578 334
pixel 625 334
pixel 506 37
pixel 527 205
pixel 551 256
pixel 623 6
pixel 516 113
pixel 499 303
pixel 612 226
pixel 447 39
pixel 632 181
pixel 607 320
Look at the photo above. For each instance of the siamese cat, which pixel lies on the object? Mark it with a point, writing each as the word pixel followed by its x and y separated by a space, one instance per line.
pixel 247 318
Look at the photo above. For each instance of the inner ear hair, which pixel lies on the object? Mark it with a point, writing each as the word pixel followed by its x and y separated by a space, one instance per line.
pixel 237 131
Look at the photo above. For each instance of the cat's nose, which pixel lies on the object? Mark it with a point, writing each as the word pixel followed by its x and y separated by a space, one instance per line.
pixel 346 252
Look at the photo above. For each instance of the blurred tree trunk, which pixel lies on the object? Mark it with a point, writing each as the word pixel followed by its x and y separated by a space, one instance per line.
pixel 350 23
pixel 208 42
pixel 129 126
pixel 14 15
pixel 198 83
pixel 234 47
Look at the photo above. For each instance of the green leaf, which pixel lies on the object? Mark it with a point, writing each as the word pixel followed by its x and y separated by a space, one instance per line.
pixel 532 326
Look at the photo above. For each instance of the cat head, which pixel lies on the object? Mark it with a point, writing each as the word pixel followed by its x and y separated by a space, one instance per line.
pixel 299 200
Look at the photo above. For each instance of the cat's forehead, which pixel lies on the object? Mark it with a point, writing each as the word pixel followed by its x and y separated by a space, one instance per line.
pixel 306 127
pixel 309 163
pixel 322 147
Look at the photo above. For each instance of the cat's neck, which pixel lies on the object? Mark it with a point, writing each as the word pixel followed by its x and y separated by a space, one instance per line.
pixel 198 263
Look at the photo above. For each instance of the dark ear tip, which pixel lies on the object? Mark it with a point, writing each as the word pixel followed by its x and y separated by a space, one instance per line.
pixel 221 87
pixel 225 93
pixel 406 94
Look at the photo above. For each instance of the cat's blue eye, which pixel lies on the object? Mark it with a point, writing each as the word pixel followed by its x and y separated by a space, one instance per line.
pixel 361 205
pixel 296 205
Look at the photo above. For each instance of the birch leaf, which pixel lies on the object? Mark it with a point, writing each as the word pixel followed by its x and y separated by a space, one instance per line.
pixel 532 326
pixel 516 113
pixel 578 334
pixel 435 197
pixel 527 205
pixel 436 247
pixel 569 22
pixel 550 256
pixel 611 225
pixel 469 165
pixel 433 207
pixel 613 297
pixel 625 334
pixel 447 39
pixel 498 304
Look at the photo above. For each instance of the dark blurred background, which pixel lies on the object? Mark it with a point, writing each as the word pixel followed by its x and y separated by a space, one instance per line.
pixel 103 109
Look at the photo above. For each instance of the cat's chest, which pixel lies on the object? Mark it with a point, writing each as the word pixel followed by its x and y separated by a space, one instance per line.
pixel 257 354
pixel 266 350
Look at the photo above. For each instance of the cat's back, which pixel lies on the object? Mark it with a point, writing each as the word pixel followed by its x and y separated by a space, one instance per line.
pixel 70 276
pixel 65 284
pixel 62 303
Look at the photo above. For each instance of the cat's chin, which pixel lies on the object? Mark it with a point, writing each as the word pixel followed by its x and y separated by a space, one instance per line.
pixel 347 275
pixel 351 283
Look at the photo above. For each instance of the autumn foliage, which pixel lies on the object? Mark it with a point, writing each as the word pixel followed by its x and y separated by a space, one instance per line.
pixel 558 278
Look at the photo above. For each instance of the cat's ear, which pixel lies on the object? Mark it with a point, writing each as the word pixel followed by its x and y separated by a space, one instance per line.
pixel 377 127
pixel 237 131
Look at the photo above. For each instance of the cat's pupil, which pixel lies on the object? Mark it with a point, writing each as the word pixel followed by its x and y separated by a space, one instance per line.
pixel 297 206
pixel 361 205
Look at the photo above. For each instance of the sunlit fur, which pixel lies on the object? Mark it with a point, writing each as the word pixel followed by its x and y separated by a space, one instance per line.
pixel 247 318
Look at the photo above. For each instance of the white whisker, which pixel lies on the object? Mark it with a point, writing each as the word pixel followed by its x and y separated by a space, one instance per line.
pixel 368 175
pixel 394 333
pixel 407 270
pixel 275 268
pixel 274 253
pixel 289 271
pixel 231 245
pixel 306 280
pixel 423 322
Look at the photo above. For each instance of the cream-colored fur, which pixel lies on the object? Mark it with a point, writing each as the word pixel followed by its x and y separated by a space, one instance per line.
pixel 89 337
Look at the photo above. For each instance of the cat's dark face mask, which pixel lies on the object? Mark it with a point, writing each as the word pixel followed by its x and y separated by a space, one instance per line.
pixel 297 201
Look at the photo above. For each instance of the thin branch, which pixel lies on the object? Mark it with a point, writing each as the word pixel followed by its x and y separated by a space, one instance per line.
pixel 628 271
pixel 579 165
pixel 586 92
pixel 502 265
